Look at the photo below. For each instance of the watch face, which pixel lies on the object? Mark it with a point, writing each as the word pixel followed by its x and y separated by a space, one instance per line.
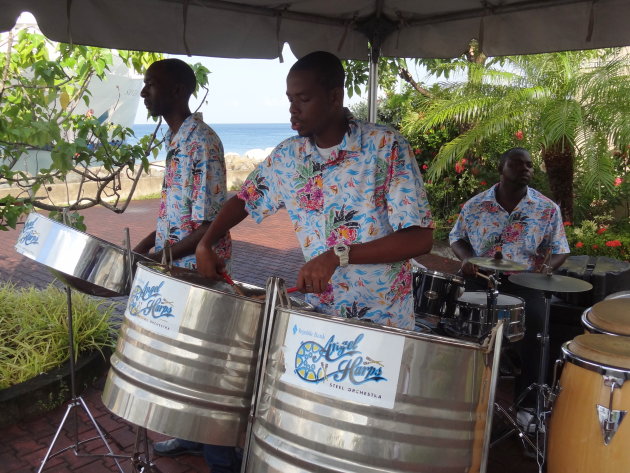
pixel 341 248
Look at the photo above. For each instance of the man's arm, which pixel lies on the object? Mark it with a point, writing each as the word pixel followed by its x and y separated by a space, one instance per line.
pixel 398 246
pixel 145 244
pixel 463 250
pixel 231 214
pixel 186 246
pixel 557 260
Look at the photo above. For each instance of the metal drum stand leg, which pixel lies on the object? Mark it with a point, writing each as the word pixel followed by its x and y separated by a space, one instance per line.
pixel 77 402
pixel 543 398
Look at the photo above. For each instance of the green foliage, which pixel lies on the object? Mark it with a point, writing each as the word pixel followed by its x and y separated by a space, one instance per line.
pixel 34 330
pixel 574 102
pixel 42 88
pixel 593 238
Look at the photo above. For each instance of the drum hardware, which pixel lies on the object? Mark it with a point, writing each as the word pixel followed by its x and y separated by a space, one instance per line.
pixel 610 419
pixel 548 283
pixel 77 402
pixel 435 297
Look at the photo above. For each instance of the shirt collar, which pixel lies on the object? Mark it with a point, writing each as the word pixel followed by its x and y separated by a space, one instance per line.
pixel 491 196
pixel 351 141
pixel 188 125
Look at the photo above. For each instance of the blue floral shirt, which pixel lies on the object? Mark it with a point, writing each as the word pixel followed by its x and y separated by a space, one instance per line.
pixel 194 187
pixel 368 188
pixel 524 236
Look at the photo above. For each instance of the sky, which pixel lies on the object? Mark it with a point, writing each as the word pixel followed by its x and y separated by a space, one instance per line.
pixel 244 90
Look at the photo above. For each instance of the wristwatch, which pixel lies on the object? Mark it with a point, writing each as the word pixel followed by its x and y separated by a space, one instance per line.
pixel 343 252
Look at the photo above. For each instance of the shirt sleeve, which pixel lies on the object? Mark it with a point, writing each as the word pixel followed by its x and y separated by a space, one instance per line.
pixel 556 234
pixel 260 189
pixel 208 187
pixel 407 203
pixel 458 232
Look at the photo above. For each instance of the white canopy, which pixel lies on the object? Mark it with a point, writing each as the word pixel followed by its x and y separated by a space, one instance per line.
pixel 258 28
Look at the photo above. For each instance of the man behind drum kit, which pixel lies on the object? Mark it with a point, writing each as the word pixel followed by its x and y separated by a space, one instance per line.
pixel 354 194
pixel 524 226
pixel 194 185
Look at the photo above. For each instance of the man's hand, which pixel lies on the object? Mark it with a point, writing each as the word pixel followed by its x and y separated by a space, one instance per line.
pixel 469 269
pixel 315 275
pixel 208 263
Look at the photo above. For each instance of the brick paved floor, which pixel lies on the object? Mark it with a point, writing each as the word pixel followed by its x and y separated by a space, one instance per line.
pixel 259 251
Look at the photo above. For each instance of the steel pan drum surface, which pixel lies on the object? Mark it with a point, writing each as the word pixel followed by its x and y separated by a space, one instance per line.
pixel 82 261
pixel 197 383
pixel 436 424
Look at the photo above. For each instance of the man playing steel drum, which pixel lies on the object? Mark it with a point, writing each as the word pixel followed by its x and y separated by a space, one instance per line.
pixel 354 194
pixel 525 227
pixel 194 185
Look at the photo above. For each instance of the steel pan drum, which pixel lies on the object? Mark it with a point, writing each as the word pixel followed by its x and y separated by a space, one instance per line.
pixel 82 261
pixel 319 412
pixel 186 355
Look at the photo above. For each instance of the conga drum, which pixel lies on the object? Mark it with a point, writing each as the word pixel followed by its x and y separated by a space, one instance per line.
pixel 610 316
pixel 588 432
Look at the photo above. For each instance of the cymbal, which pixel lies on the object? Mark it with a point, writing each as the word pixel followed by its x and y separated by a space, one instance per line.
pixel 551 283
pixel 497 264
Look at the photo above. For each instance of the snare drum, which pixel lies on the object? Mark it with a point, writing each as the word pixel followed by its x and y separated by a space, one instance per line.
pixel 435 295
pixel 587 431
pixel 610 316
pixel 474 320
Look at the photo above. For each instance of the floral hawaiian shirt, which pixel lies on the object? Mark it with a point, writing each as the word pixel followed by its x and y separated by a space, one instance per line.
pixel 368 188
pixel 194 187
pixel 524 236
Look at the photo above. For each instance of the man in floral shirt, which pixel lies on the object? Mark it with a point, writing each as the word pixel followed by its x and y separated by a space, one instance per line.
pixel 194 187
pixel 354 194
pixel 526 227
pixel 193 191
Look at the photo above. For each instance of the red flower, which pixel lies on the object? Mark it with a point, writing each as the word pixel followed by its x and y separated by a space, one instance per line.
pixel 613 243
pixel 425 167
pixel 566 224
pixel 483 183
pixel 519 135
pixel 595 247
pixel 579 244
pixel 618 181
pixel 601 230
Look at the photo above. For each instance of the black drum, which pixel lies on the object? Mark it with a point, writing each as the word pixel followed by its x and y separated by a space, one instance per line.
pixel 435 296
pixel 474 320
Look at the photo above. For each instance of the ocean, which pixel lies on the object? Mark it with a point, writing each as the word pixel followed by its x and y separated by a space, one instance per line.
pixel 236 137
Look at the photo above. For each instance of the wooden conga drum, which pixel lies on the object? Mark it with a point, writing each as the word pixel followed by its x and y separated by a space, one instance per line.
pixel 588 432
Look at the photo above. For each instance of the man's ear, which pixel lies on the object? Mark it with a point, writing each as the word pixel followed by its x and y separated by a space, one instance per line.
pixel 336 96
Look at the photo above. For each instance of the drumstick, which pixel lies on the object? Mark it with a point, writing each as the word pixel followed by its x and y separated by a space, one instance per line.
pixel 481 275
pixel 229 280
pixel 292 289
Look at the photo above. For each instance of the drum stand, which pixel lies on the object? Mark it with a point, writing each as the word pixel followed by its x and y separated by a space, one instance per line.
pixel 544 397
pixel 77 402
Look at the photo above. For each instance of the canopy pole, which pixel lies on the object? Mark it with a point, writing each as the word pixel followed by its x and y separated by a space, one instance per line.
pixel 373 83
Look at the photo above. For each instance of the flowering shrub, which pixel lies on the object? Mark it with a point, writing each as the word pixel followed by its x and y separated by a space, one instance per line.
pixel 594 239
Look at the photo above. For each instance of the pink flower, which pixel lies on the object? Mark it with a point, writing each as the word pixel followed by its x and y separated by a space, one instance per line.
pixel 613 243
pixel 579 244
pixel 425 167
pixel 595 247
pixel 519 135
pixel 618 181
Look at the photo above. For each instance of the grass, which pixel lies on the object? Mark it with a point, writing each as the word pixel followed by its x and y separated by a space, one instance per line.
pixel 34 330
